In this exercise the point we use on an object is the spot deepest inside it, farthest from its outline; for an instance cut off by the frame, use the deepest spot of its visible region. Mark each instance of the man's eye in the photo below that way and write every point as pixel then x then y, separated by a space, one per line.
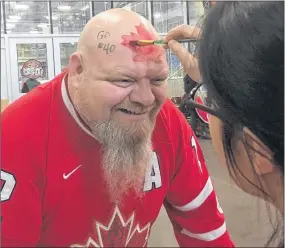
pixel 126 81
pixel 158 81
pixel 123 82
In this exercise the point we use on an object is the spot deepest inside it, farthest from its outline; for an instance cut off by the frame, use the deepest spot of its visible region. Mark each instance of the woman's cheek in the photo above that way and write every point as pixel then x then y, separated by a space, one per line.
pixel 216 126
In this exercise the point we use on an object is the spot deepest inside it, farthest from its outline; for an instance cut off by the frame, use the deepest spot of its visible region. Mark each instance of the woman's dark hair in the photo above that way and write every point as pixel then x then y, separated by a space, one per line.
pixel 242 65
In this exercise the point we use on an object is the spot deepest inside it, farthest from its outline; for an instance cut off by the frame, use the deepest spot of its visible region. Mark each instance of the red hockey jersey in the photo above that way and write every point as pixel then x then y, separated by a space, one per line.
pixel 52 191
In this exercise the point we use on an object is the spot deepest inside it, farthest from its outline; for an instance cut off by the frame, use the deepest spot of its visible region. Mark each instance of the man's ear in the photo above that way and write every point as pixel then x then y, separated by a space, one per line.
pixel 262 155
pixel 75 64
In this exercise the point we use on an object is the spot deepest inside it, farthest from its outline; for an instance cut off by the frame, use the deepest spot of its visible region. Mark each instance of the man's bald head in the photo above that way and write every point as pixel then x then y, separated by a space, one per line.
pixel 109 33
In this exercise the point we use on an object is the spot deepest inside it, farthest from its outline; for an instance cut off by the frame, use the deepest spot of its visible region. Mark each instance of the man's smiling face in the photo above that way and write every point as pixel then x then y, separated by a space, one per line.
pixel 118 87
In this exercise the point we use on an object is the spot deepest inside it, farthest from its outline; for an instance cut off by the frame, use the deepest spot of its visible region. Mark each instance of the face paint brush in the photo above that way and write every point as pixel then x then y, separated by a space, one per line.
pixel 157 42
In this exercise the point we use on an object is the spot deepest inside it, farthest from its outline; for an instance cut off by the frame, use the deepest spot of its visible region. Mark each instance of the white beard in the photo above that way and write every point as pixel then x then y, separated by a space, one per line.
pixel 126 155
pixel 127 149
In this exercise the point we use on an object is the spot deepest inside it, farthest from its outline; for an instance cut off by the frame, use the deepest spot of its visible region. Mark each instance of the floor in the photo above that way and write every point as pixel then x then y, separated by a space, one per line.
pixel 246 216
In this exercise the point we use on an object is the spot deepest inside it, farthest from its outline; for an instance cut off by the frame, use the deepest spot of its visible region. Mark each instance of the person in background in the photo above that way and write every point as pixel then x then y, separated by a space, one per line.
pixel 241 61
pixel 89 158
pixel 30 84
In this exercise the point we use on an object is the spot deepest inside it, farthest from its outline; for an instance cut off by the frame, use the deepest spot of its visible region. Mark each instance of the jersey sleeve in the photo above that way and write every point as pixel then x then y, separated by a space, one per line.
pixel 191 202
pixel 22 181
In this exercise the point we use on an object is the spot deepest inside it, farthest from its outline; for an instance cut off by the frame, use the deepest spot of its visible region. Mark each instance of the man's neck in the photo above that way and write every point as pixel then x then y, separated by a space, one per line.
pixel 70 93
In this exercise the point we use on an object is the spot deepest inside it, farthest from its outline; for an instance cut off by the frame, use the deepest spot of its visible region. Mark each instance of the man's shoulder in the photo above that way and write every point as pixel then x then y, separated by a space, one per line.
pixel 168 106
pixel 169 124
pixel 170 115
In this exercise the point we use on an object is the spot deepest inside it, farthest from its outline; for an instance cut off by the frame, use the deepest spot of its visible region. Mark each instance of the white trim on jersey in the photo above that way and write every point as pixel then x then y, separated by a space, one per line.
pixel 199 200
pixel 70 107
pixel 208 236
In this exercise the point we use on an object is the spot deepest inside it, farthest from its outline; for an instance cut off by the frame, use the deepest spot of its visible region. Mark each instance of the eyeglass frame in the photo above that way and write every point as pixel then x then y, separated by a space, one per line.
pixel 192 104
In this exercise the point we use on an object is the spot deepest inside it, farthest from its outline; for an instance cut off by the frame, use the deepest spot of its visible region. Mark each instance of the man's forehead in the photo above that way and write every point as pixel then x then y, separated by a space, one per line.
pixel 134 70
pixel 143 69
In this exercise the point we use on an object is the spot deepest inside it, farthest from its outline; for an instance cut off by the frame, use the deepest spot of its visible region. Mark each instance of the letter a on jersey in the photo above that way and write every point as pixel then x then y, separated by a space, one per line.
pixel 153 176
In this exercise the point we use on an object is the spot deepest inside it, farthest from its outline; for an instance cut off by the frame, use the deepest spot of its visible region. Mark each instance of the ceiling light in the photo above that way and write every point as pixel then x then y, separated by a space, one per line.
pixel 15 17
pixel 53 17
pixel 64 7
pixel 156 15
pixel 42 25
pixel 12 20
pixel 10 25
pixel 34 32
pixel 127 7
pixel 21 6
pixel 85 7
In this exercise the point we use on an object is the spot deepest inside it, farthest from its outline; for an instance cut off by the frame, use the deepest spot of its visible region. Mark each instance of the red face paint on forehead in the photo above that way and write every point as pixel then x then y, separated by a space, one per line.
pixel 143 53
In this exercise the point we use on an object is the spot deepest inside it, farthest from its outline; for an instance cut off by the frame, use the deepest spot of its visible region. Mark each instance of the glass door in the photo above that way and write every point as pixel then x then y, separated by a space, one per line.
pixel 4 77
pixel 31 63
pixel 63 48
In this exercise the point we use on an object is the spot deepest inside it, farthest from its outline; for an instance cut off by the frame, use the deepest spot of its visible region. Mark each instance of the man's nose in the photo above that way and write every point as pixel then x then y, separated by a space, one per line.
pixel 142 94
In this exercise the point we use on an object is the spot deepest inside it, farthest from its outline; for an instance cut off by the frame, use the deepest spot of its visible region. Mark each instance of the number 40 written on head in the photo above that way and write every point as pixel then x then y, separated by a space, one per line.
pixel 107 48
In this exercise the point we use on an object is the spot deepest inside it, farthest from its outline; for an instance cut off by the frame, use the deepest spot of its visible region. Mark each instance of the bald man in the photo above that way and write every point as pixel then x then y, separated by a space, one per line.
pixel 104 150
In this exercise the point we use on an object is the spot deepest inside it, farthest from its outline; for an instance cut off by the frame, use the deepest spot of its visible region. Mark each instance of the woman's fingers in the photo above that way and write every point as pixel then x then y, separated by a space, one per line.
pixel 188 61
pixel 183 32
pixel 179 51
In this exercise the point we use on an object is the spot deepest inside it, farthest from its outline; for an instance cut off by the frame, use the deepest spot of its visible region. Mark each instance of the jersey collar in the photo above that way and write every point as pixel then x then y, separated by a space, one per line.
pixel 70 108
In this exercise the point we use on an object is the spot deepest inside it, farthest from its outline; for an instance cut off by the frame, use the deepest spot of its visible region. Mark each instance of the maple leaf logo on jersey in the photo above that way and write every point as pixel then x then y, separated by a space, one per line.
pixel 118 233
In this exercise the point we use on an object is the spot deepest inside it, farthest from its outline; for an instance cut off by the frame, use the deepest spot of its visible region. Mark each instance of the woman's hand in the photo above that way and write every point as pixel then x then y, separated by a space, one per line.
pixel 188 61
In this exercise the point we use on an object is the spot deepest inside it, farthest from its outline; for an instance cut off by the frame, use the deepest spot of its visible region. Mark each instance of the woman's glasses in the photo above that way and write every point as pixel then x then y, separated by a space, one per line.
pixel 198 99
